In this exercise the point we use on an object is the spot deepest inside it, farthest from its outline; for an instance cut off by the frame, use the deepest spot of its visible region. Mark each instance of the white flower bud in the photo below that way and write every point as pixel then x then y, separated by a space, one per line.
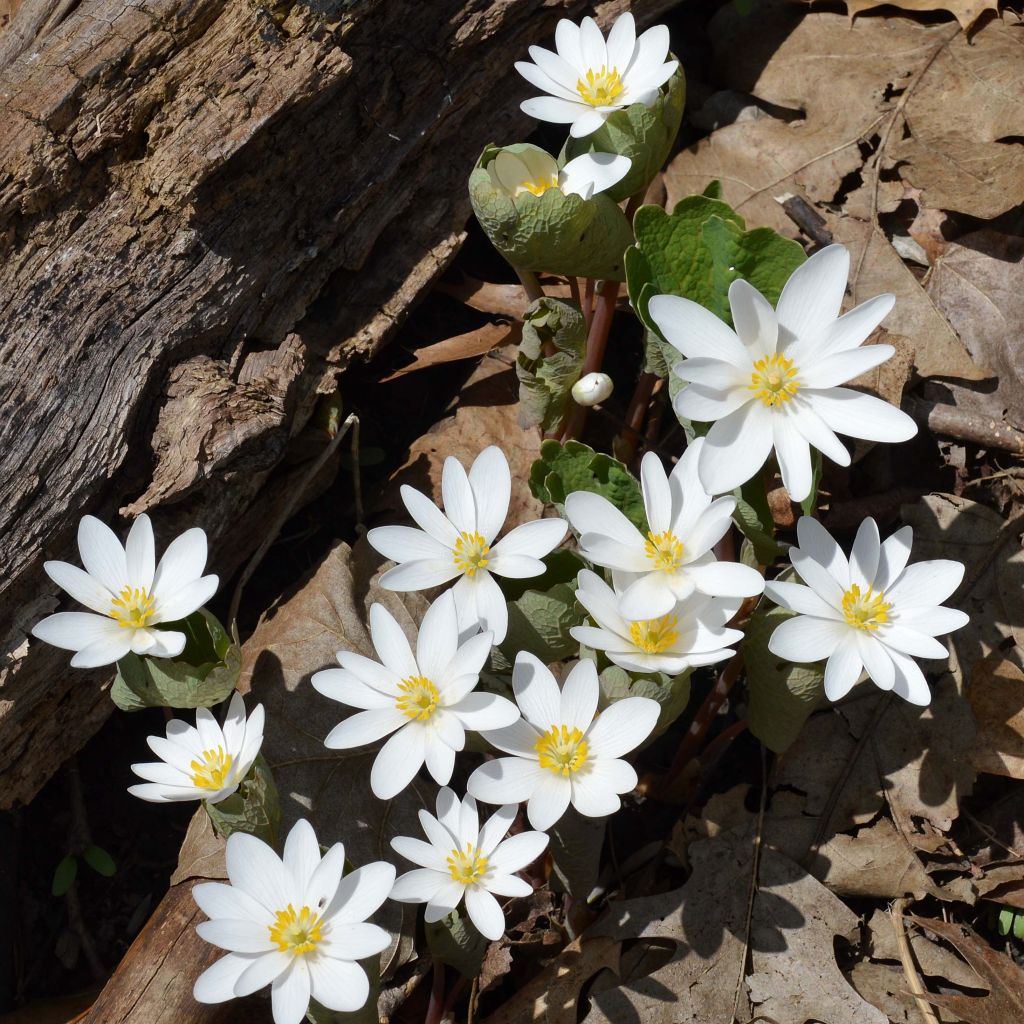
pixel 591 389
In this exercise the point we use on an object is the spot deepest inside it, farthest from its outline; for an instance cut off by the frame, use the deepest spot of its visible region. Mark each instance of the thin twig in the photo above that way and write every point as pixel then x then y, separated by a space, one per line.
pixel 286 512
pixel 907 959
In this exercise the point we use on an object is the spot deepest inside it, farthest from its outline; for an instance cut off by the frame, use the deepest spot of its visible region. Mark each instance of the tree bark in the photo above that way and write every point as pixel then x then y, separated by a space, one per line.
pixel 208 210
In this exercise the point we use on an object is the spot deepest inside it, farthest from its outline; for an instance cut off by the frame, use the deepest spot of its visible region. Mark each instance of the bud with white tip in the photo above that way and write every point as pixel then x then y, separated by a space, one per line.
pixel 592 388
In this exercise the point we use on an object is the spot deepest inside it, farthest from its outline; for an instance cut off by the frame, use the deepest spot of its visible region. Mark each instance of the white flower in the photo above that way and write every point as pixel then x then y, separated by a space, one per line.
pixel 590 78
pixel 773 381
pixel 675 558
pixel 872 612
pixel 464 861
pixel 204 763
pixel 129 594
pixel 426 700
pixel 460 541
pixel 295 924
pixel 694 633
pixel 562 754
pixel 592 389
pixel 535 171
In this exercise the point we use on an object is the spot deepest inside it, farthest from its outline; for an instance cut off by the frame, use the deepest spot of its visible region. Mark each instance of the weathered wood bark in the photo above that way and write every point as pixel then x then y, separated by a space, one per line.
pixel 180 181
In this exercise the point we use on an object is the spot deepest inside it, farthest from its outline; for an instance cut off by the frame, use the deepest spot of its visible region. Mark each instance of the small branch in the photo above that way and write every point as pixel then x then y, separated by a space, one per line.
pixel 909 967
pixel 528 279
pixel 962 425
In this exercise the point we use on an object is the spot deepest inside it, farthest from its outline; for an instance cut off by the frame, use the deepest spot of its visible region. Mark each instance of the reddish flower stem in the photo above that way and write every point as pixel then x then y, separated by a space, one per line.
pixel 597 342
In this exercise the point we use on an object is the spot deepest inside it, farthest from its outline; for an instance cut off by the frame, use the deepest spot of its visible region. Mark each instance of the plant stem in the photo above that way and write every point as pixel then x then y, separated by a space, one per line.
pixel 574 291
pixel 635 415
pixel 588 302
pixel 528 279
pixel 435 1008
pixel 597 342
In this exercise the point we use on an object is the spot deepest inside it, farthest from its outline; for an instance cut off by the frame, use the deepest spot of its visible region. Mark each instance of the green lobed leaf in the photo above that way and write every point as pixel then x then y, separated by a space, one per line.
pixel 782 695
pixel 254 807
pixel 203 675
pixel 671 692
pixel 754 518
pixel 575 847
pixel 550 361
pixel 100 861
pixel 644 134
pixel 552 232
pixel 454 941
pixel 64 876
pixel 574 466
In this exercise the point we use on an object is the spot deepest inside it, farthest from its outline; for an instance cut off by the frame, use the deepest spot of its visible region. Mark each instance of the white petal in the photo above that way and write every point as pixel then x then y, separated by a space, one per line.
pixel 290 993
pixel 182 563
pixel 648 597
pixel 407 544
pixel 519 738
pixel 591 513
pixel 419 886
pixel 910 683
pixel 365 727
pixel 418 575
pixel 104 651
pixel 187 599
pixel 515 567
pixel 478 711
pixel 876 660
pixel 429 517
pixel 578 703
pixel 439 758
pixel 485 913
pixel 555 109
pixel 715 375
pixel 217 983
pixel 843 668
pixel 805 638
pixel 706 404
pixel 817 543
pixel 445 900
pixel 910 641
pixel 535 539
pixel 925 584
pixel 548 801
pixel 754 319
pixel 893 558
pixel 102 554
pixel 798 598
pixel 621 42
pixel 495 828
pixel 592 46
pixel 356 941
pixel 516 852
pixel 438 637
pixel 536 691
pixel 459 502
pixel 567 43
pixel 852 328
pixel 657 496
pixel 346 688
pixel 864 416
pixel 459 676
pixel 591 173
pixel 491 480
pixel 735 448
pixel 73 631
pixel 506 780
pixel 423 854
pixel 338 984
pixel 608 552
pixel 479 600
pixel 391 643
pixel 815 431
pixel 934 621
pixel 726 579
pixel 140 554
pixel 817 577
pixel 545 75
pixel 794 457
pixel 864 555
pixel 840 367
pixel 80 585
pixel 398 761
pixel 262 970
pixel 508 885
pixel 361 892
pixel 813 295
pixel 596 793
pixel 622 727
pixel 651 48
pixel 236 935
pixel 254 868
pixel 696 331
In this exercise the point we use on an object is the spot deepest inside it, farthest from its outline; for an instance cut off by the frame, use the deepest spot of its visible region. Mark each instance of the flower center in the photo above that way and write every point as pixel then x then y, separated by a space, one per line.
pixel 653 636
pixel 133 608
pixel 212 771
pixel 537 187
pixel 470 553
pixel 773 380
pixel 467 867
pixel 562 750
pixel 419 698
pixel 296 933
pixel 865 610
pixel 601 88
pixel 665 550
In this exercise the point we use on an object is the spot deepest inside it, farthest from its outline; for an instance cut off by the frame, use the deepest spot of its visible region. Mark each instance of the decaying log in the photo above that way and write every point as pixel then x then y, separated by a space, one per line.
pixel 180 182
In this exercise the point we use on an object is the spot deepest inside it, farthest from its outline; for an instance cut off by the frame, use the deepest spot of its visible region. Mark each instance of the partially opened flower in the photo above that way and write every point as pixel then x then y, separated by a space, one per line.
pixel 534 171
pixel 459 542
pixel 870 612
pixel 130 596
pixel 693 633
pixel 425 702
pixel 202 763
pixel 589 78
pixel 562 751
pixel 294 924
pixel 773 381
pixel 462 861
pixel 674 558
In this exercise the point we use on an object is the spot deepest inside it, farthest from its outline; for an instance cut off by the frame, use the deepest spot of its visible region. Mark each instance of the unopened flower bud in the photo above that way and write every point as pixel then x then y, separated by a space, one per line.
pixel 591 389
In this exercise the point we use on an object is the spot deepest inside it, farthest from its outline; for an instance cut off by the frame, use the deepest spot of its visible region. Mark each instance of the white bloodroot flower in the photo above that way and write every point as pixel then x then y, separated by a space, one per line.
pixel 460 541
pixel 674 559
pixel 872 612
pixel 773 382
pixel 425 702
pixel 294 924
pixel 590 78
pixel 592 389
pixel 128 593
pixel 694 633
pixel 463 861
pixel 535 171
pixel 202 763
pixel 562 753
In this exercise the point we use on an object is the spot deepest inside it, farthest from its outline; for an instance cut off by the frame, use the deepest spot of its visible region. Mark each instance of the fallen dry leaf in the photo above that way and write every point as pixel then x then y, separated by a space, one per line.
pixel 966 12
pixel 462 346
pixel 1004 1003
pixel 501 299
pixel 996 694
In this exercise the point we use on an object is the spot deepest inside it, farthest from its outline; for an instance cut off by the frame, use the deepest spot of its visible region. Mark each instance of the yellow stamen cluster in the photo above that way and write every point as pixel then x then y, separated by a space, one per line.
pixel 469 867
pixel 601 88
pixel 774 380
pixel 865 610
pixel 470 553
pixel 419 698
pixel 653 636
pixel 296 933
pixel 665 550
pixel 538 187
pixel 562 750
pixel 212 772
pixel 133 608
